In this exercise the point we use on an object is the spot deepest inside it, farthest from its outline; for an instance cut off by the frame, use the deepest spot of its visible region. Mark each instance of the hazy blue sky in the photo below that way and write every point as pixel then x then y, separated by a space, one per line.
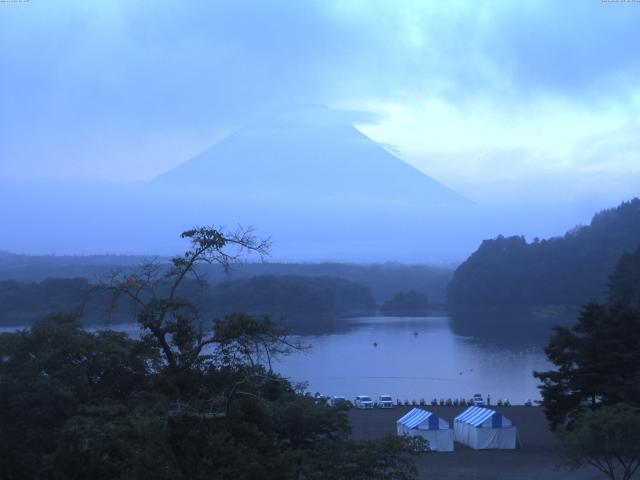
pixel 499 100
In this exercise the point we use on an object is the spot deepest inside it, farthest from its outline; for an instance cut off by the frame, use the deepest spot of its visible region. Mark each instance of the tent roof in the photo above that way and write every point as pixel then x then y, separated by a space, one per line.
pixel 414 418
pixel 475 416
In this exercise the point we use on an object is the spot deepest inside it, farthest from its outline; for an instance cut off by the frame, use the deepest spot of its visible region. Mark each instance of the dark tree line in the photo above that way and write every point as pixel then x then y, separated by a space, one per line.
pixel 568 270
pixel 624 284
pixel 406 303
pixel 22 303
pixel 384 279
pixel 302 303
pixel 292 296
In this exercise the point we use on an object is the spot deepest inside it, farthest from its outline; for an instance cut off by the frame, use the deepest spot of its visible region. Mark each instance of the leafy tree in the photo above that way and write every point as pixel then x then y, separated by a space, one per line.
pixel 171 323
pixel 243 339
pixel 50 373
pixel 607 438
pixel 597 361
pixel 178 403
pixel 591 399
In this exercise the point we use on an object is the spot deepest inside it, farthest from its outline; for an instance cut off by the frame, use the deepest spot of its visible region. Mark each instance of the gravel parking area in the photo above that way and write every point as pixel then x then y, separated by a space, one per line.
pixel 536 459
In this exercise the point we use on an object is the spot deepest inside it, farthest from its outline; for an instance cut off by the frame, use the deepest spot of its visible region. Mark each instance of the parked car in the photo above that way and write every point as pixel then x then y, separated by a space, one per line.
pixel 338 401
pixel 477 400
pixel 385 401
pixel 363 401
pixel 319 399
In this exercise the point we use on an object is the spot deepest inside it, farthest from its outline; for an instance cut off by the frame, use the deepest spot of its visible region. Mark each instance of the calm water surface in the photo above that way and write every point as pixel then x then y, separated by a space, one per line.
pixel 416 358
pixel 412 358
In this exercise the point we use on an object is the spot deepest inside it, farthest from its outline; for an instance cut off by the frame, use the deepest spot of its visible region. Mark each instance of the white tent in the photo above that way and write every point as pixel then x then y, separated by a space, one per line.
pixel 420 423
pixel 482 428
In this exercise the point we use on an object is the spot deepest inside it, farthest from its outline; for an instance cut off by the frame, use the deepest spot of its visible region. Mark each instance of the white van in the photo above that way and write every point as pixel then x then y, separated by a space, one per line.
pixel 363 401
pixel 385 401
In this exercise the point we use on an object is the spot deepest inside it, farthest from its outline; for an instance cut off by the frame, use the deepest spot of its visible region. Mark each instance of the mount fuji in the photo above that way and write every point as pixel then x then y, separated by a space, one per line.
pixel 311 153
pixel 307 178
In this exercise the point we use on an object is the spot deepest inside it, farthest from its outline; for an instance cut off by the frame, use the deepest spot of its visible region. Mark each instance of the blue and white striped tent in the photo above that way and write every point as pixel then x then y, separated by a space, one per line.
pixel 483 428
pixel 429 426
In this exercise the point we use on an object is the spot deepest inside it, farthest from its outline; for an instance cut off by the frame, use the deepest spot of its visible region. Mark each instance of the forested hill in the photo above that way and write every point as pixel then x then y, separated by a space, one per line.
pixel 567 270
pixel 624 284
pixel 301 303
pixel 383 279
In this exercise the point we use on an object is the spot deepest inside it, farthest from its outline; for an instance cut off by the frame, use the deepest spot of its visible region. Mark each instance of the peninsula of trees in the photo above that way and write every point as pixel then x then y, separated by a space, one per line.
pixel 568 270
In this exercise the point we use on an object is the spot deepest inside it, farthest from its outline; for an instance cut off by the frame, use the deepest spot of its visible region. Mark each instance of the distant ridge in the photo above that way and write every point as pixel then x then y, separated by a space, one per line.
pixel 307 152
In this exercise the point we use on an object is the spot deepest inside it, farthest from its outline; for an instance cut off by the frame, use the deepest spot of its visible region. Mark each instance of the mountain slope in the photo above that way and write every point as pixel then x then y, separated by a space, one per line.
pixel 302 153
pixel 311 182
pixel 568 270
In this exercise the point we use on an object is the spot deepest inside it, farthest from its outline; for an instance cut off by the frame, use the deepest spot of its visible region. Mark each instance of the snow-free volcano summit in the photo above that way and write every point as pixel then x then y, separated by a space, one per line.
pixel 308 179
pixel 312 152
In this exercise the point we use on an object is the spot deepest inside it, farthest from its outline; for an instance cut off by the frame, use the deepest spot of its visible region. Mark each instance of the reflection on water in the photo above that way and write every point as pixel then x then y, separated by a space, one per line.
pixel 414 358
pixel 510 326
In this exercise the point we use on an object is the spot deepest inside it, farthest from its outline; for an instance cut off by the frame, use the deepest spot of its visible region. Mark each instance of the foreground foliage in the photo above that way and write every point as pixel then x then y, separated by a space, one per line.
pixel 597 362
pixel 607 438
pixel 592 398
pixel 177 403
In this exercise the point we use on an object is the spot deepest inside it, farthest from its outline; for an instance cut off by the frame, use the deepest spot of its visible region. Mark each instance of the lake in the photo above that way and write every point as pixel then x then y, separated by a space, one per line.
pixel 420 357
pixel 414 358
